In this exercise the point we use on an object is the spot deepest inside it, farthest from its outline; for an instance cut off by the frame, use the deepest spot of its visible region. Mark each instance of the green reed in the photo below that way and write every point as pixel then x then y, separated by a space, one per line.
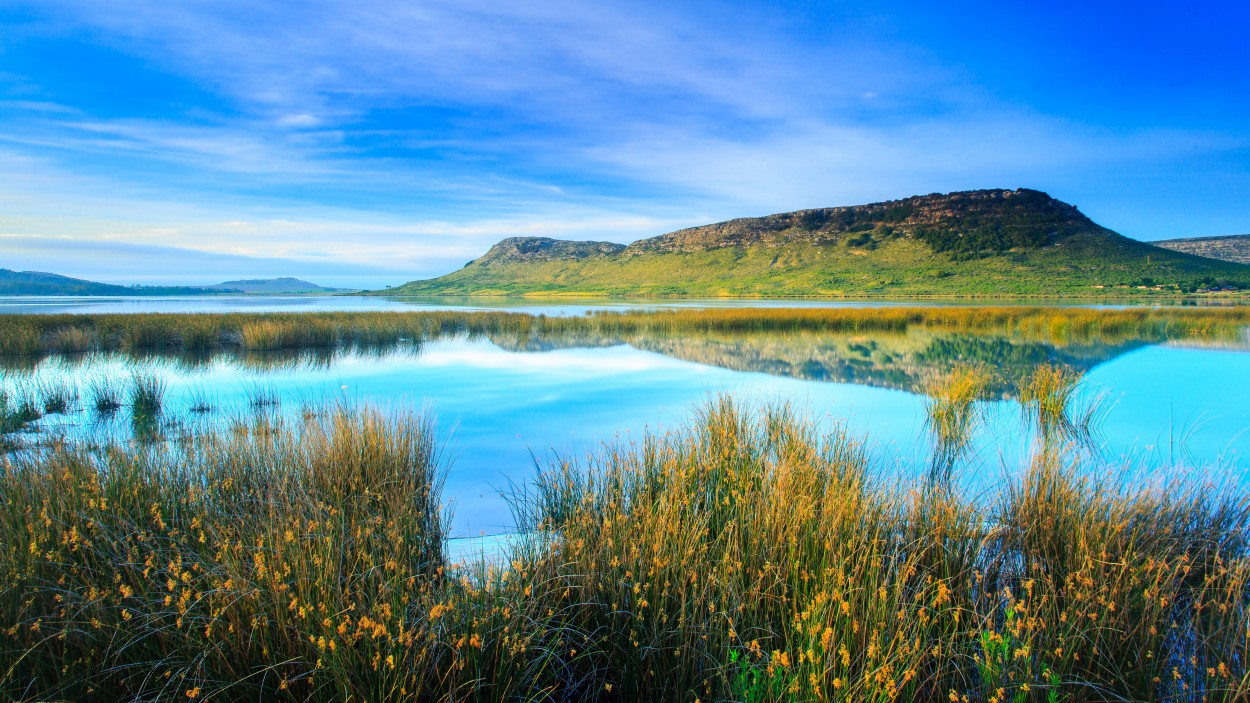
pixel 147 394
pixel 59 395
pixel 105 394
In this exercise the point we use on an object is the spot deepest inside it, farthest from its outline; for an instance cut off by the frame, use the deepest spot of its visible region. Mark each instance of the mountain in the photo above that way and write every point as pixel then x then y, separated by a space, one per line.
pixel 39 283
pixel 984 242
pixel 1233 247
pixel 271 285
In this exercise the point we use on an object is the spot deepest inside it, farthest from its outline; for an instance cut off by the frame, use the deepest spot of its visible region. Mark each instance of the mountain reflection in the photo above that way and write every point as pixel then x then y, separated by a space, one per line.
pixel 906 360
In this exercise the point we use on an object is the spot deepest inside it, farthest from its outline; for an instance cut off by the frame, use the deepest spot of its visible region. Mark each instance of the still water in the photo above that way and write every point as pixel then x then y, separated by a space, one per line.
pixel 502 404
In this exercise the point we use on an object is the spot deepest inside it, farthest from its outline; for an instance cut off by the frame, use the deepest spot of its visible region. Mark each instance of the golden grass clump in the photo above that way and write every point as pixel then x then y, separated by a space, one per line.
pixel 951 414
pixel 750 557
pixel 262 558
pixel 1052 401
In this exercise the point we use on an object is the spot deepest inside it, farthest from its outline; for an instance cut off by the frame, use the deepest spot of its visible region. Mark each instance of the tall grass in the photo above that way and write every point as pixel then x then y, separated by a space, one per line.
pixel 749 555
pixel 38 334
pixel 264 559
pixel 59 395
pixel 17 409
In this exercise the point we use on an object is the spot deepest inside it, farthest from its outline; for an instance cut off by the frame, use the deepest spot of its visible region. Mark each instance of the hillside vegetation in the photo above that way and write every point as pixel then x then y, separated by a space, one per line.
pixel 40 283
pixel 988 242
pixel 270 285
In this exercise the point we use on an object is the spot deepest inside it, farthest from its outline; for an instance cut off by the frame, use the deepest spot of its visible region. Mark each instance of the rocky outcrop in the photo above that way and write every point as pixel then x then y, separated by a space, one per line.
pixel 977 220
pixel 1234 247
pixel 517 249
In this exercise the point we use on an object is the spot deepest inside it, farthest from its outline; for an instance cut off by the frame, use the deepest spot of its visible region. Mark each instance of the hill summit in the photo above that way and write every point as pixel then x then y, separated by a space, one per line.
pixel 994 242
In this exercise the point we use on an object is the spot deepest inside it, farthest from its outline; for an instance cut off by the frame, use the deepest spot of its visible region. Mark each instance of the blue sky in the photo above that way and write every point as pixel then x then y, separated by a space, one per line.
pixel 370 143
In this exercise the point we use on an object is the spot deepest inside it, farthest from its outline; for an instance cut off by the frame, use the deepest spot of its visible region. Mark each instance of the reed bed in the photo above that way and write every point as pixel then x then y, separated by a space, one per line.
pixel 747 556
pixel 25 335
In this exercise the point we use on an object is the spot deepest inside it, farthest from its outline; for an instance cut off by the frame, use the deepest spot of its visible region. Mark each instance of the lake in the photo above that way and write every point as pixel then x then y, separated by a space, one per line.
pixel 19 304
pixel 503 403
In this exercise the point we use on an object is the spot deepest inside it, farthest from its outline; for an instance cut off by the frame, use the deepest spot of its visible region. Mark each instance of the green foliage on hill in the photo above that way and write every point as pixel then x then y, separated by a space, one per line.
pixel 975 243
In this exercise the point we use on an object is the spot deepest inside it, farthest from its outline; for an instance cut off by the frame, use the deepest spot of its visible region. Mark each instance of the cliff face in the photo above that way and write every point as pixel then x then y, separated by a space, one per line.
pixel 517 249
pixel 1235 247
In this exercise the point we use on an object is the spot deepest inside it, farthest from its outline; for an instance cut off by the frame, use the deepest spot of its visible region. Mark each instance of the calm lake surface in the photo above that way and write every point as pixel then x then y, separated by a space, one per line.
pixel 503 403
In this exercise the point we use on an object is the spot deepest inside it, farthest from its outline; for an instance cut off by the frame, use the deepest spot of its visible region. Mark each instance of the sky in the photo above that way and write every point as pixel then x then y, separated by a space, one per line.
pixel 366 144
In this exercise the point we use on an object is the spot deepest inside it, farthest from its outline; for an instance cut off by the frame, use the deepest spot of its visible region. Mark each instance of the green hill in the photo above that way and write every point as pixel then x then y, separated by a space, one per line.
pixel 39 283
pixel 271 285
pixel 985 242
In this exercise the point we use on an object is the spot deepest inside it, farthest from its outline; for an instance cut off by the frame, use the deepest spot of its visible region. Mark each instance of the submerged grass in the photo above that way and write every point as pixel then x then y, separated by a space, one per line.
pixel 748 556
pixel 105 394
pixel 1050 399
pixel 59 395
pixel 147 394
pixel 951 414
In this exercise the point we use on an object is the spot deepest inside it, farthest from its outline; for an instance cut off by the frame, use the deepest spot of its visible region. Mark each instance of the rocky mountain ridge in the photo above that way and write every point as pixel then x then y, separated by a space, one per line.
pixel 1233 247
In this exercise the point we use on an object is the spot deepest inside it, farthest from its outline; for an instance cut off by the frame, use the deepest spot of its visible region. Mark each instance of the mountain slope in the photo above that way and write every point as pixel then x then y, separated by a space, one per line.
pixel 1003 242
pixel 1234 247
pixel 39 283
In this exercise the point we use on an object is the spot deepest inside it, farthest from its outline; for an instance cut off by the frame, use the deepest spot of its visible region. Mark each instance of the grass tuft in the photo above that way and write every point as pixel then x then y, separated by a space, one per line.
pixel 1053 402
pixel 147 394
pixel 105 395
pixel 952 415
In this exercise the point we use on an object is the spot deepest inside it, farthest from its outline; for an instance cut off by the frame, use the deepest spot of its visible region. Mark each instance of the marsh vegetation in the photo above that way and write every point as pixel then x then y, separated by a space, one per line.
pixel 748 555
pixel 299 550
pixel 33 335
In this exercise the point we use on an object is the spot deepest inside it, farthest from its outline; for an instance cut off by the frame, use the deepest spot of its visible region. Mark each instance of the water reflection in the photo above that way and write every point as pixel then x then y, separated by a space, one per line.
pixel 908 361
pixel 502 398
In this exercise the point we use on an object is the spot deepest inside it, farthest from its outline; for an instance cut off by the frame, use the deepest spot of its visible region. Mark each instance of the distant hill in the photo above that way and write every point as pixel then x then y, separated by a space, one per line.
pixel 1233 247
pixel 39 283
pixel 272 285
pixel 984 242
